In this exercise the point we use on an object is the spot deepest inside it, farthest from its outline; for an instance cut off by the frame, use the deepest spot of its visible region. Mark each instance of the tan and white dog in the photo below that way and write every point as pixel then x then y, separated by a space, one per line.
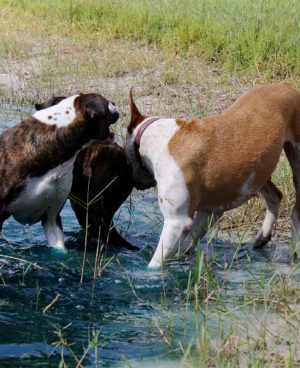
pixel 207 166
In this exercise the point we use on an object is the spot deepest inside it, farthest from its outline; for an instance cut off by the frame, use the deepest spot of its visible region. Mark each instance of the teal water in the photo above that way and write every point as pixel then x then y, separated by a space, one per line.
pixel 126 307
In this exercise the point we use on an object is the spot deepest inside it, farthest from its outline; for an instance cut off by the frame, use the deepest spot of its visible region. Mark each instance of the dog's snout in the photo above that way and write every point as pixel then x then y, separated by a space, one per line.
pixel 114 111
pixel 113 108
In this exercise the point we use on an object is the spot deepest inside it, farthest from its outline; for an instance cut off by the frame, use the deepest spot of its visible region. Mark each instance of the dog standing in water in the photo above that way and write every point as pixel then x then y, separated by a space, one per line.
pixel 37 158
pixel 207 166
pixel 101 170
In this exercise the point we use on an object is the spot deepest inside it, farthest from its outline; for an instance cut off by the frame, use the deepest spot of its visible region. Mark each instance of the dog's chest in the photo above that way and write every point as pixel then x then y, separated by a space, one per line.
pixel 42 194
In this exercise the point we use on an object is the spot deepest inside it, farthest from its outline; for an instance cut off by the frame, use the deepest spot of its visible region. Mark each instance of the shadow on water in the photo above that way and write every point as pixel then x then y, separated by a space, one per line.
pixel 121 314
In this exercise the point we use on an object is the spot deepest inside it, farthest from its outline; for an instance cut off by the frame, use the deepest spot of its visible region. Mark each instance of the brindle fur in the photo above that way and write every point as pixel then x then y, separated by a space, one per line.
pixel 99 168
pixel 32 148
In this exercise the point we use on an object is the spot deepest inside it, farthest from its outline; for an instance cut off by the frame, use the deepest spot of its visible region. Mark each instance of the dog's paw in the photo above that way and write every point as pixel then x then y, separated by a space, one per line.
pixel 260 241
pixel 59 250
pixel 154 264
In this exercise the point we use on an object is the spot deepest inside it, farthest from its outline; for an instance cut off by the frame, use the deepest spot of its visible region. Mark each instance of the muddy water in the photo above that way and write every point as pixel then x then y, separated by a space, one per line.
pixel 126 309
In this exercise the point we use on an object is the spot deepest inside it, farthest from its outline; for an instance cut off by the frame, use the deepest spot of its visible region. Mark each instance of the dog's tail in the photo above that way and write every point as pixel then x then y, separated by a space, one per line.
pixel 136 116
pixel 133 108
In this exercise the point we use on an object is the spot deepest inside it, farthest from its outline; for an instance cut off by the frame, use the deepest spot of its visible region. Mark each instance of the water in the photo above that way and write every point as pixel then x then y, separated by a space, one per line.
pixel 126 309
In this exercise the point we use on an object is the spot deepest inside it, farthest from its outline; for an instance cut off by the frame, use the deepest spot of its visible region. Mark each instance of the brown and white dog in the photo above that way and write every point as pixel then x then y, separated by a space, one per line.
pixel 37 158
pixel 100 171
pixel 207 166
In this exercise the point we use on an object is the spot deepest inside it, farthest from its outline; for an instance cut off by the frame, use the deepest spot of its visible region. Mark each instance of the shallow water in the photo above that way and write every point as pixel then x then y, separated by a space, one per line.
pixel 125 307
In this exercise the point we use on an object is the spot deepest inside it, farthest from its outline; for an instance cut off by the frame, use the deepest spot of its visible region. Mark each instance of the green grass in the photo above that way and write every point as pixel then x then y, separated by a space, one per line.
pixel 254 36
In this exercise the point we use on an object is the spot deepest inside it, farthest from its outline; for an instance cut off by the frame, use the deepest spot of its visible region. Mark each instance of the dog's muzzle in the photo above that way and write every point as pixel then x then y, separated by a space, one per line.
pixel 115 114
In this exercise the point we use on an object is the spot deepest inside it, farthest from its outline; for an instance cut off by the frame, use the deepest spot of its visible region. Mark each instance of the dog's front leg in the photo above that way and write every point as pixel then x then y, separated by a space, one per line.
pixel 180 235
pixel 174 202
pixel 173 233
pixel 53 231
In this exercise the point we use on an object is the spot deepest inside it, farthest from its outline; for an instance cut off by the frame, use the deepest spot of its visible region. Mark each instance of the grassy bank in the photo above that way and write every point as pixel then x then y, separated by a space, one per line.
pixel 254 36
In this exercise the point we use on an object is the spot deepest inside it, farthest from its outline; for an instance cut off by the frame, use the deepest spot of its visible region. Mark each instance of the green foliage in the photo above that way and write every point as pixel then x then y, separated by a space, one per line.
pixel 261 36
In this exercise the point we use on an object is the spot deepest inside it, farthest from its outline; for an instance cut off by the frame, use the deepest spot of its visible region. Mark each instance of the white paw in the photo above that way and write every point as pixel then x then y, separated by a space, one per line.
pixel 154 263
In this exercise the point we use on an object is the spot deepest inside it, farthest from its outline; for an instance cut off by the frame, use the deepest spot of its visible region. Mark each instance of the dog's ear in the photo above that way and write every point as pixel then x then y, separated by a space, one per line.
pixel 89 111
pixel 94 108
pixel 38 106
pixel 136 117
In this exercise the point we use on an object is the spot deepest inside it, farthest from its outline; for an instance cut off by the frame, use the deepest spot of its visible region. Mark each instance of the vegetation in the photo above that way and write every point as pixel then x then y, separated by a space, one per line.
pixel 261 36
pixel 184 58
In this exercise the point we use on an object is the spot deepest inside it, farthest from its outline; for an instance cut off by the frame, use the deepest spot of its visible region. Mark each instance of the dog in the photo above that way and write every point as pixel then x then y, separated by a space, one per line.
pixel 100 171
pixel 204 167
pixel 103 172
pixel 37 158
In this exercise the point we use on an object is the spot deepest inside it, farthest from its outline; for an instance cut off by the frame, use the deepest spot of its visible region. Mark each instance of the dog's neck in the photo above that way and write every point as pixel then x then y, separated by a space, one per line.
pixel 143 178
pixel 139 132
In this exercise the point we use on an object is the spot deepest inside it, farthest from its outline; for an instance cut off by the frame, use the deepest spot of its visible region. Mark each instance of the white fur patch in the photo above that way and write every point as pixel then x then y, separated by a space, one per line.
pixel 112 108
pixel 268 223
pixel 173 194
pixel 43 194
pixel 60 115
pixel 158 160
pixel 153 144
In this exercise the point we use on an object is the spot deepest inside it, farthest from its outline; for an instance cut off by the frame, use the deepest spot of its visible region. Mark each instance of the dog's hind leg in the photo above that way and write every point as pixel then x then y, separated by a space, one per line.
pixel 292 151
pixel 272 196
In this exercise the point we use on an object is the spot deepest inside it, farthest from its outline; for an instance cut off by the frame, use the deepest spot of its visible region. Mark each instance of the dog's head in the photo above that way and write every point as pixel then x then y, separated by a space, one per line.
pixel 92 109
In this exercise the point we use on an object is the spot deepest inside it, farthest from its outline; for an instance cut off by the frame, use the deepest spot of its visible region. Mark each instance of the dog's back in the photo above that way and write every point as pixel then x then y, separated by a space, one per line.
pixel 227 157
